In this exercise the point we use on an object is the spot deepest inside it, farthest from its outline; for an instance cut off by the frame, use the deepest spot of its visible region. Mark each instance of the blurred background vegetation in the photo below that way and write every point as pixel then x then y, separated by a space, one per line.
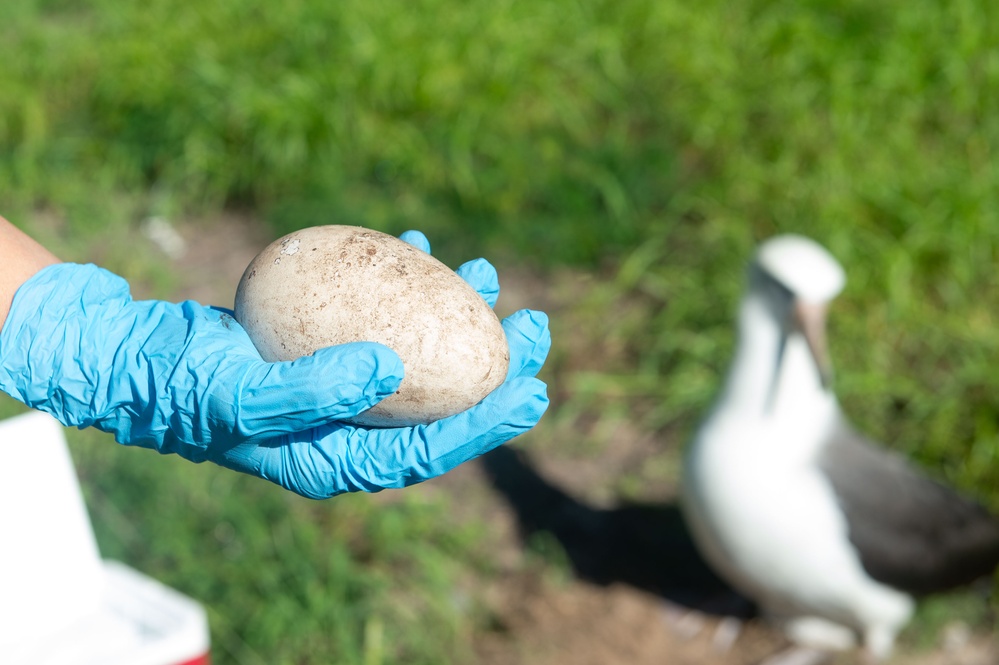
pixel 642 146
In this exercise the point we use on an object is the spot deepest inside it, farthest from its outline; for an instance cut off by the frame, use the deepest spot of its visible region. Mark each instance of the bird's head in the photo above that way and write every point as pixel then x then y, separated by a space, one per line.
pixel 797 278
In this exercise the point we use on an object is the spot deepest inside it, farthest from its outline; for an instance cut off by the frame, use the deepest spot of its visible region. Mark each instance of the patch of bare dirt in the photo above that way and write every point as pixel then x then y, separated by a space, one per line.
pixel 545 622
pixel 213 256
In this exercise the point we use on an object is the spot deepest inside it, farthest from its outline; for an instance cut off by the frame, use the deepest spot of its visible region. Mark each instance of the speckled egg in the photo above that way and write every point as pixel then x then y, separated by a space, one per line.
pixel 328 285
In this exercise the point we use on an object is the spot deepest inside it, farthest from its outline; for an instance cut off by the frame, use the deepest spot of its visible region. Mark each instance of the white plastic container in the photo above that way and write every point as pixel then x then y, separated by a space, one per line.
pixel 60 604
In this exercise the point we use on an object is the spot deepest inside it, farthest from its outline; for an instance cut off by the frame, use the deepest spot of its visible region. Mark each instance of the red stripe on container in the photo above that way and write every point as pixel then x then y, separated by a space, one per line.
pixel 200 660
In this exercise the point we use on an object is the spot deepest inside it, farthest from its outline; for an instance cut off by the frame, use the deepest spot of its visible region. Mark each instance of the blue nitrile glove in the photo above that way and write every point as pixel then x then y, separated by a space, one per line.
pixel 185 378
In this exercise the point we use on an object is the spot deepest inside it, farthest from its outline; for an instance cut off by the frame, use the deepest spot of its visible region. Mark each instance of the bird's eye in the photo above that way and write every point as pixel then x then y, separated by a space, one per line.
pixel 777 289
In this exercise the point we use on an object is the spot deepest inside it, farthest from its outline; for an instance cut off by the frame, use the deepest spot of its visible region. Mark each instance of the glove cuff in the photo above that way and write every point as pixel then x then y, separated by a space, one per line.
pixel 47 328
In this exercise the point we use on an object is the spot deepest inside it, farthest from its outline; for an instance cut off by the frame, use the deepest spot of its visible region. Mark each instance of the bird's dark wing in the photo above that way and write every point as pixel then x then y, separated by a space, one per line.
pixel 911 532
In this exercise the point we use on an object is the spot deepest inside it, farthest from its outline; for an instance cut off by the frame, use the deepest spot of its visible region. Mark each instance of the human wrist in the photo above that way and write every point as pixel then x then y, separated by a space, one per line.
pixel 20 259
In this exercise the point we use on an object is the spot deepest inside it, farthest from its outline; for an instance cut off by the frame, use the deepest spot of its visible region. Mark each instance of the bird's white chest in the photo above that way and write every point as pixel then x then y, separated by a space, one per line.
pixel 765 516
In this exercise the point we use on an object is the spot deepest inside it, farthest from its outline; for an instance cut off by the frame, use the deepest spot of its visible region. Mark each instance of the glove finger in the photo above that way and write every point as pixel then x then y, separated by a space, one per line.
pixel 510 410
pixel 482 277
pixel 393 458
pixel 530 341
pixel 417 240
pixel 334 383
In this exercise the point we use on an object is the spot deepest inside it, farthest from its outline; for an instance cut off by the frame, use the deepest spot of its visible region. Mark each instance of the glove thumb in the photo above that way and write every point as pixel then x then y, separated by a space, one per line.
pixel 334 383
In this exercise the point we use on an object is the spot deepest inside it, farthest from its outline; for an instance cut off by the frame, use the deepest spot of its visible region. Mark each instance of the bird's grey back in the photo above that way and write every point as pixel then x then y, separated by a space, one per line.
pixel 912 533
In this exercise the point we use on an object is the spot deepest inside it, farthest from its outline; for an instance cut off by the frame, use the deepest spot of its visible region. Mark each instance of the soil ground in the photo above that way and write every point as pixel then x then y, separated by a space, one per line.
pixel 633 590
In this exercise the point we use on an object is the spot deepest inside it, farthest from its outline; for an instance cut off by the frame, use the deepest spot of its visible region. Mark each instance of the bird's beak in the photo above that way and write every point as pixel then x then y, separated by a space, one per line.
pixel 810 319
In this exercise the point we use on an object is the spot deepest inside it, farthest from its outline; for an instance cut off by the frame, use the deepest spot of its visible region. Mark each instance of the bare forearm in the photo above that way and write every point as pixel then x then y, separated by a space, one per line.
pixel 20 258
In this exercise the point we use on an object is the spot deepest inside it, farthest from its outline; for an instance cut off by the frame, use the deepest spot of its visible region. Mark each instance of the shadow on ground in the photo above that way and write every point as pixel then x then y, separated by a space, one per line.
pixel 646 546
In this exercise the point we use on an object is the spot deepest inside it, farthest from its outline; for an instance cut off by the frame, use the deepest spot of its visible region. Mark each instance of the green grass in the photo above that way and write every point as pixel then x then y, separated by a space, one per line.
pixel 649 145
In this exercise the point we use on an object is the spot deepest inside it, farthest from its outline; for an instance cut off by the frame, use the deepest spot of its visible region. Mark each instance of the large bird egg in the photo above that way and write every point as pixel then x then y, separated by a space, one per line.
pixel 328 285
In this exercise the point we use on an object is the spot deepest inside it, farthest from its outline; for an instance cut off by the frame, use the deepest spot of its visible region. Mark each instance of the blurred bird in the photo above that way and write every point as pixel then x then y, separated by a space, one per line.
pixel 832 536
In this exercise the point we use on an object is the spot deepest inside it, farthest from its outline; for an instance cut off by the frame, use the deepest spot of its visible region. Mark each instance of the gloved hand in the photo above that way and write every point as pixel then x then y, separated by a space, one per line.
pixel 184 378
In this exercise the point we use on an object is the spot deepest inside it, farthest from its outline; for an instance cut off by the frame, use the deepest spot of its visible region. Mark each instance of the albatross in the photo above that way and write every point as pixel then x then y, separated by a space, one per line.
pixel 831 535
